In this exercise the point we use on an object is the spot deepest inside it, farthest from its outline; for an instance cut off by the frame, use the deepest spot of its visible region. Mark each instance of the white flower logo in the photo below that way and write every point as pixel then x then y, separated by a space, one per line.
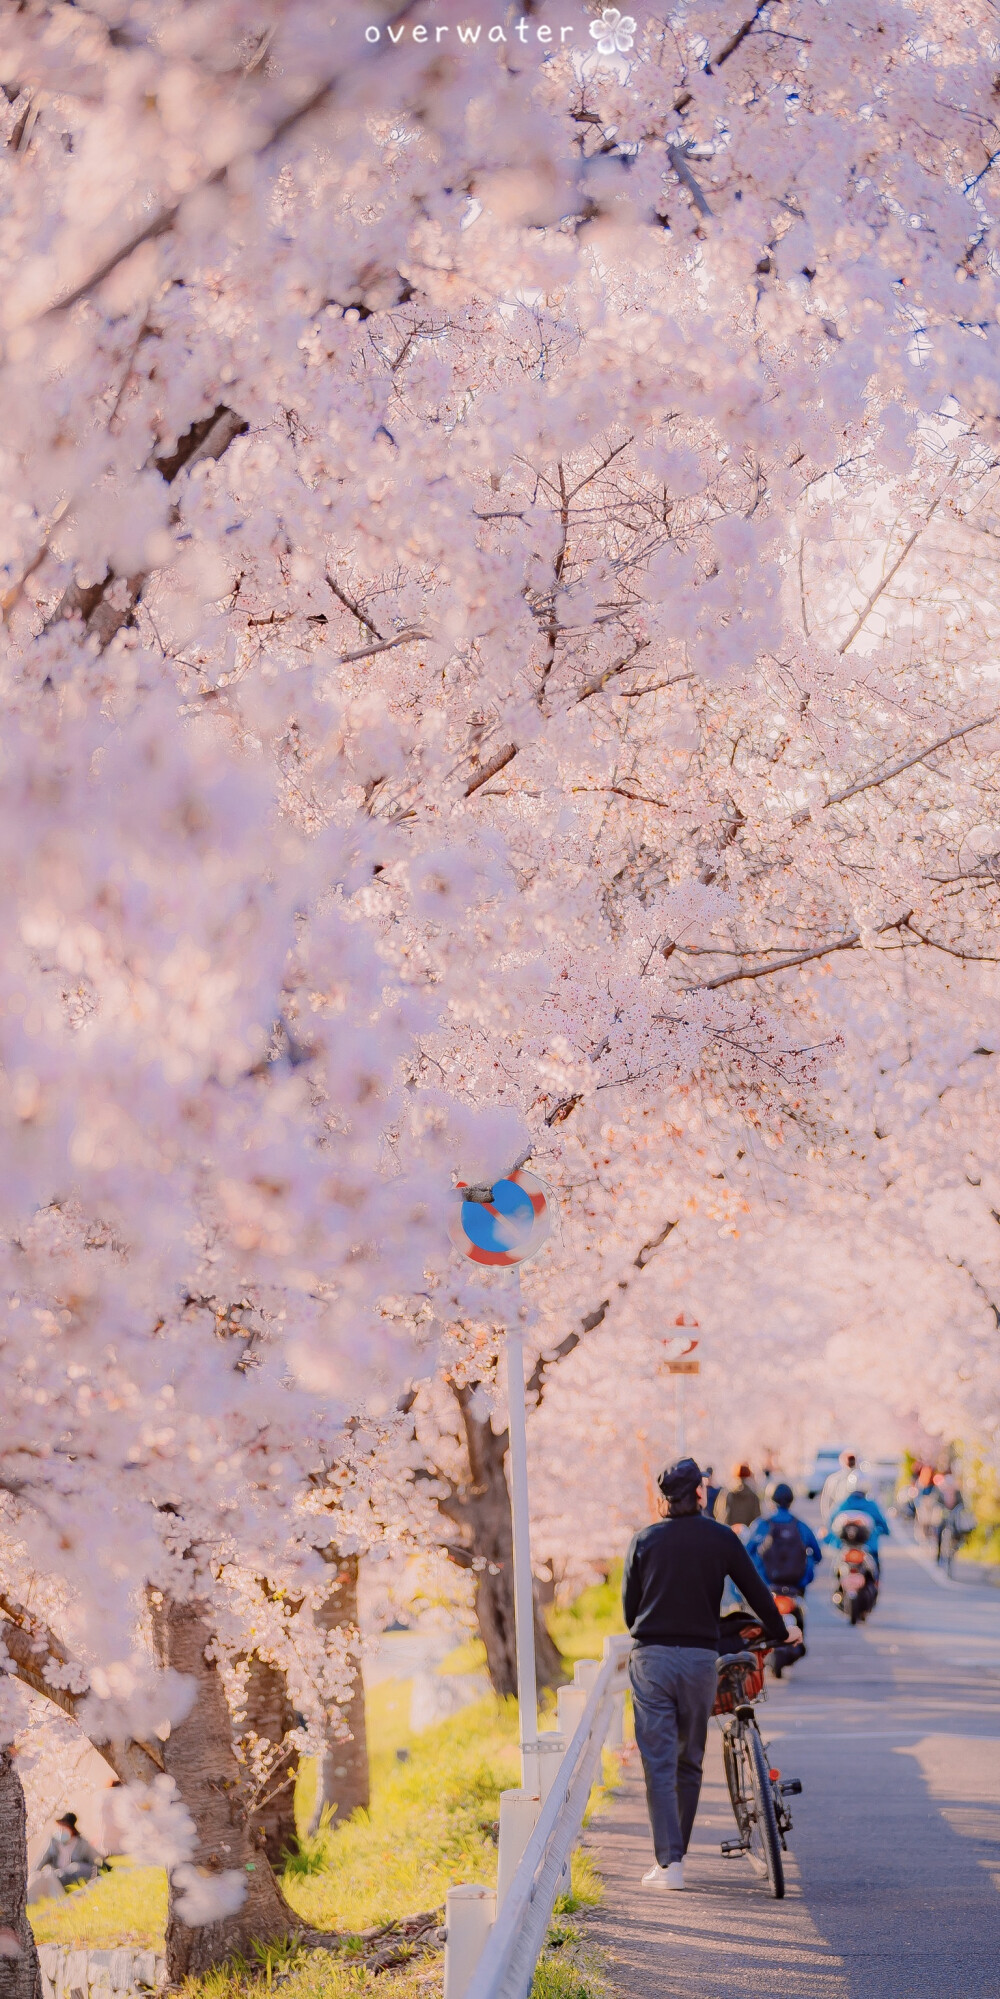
pixel 614 32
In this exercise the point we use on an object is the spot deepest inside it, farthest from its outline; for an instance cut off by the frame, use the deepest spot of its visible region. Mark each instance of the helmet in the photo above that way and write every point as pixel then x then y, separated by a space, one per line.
pixel 780 1494
pixel 855 1531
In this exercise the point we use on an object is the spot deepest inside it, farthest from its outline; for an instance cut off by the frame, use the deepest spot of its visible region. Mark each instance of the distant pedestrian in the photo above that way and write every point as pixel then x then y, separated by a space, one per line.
pixel 740 1506
pixel 839 1484
pixel 712 1491
pixel 675 1571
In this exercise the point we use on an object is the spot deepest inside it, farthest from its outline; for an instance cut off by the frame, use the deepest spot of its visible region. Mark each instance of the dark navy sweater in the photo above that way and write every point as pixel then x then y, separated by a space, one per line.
pixel 674 1576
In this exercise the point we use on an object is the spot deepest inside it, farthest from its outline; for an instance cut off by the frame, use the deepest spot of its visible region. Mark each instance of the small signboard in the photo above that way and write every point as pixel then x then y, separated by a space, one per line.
pixel 683 1367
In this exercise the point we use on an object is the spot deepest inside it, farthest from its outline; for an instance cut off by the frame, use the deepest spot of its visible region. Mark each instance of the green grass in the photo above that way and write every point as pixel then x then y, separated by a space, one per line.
pixel 581 1627
pixel 566 1970
pixel 129 1905
pixel 433 1822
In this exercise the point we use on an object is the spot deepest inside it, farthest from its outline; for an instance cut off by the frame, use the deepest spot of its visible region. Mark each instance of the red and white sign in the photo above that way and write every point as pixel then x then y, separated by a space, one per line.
pixel 508 1228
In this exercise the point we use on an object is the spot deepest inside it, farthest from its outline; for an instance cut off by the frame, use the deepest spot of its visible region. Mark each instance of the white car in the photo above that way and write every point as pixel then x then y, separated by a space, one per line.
pixel 826 1460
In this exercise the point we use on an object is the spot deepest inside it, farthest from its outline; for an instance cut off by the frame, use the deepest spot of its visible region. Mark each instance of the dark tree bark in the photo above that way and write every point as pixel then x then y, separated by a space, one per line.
pixel 482 1511
pixel 32 1650
pixel 20 1977
pixel 271 1715
pixel 343 1782
pixel 199 1755
pixel 106 606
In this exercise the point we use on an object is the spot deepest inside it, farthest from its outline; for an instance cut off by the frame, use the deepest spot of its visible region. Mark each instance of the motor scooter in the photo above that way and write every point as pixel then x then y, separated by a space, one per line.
pixel 855 1567
pixel 791 1601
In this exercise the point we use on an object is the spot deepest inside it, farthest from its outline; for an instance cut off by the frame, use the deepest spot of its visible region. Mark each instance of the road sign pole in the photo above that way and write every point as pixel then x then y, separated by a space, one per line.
pixel 502 1225
pixel 679 1425
pixel 524 1600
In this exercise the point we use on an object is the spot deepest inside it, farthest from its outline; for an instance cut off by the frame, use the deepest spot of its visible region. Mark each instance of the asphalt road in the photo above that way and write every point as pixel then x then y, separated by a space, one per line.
pixel 894 1863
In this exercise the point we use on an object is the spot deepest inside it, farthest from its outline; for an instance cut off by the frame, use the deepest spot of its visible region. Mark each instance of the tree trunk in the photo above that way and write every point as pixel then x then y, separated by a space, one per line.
pixel 270 1715
pixel 20 1977
pixel 484 1513
pixel 199 1755
pixel 343 1783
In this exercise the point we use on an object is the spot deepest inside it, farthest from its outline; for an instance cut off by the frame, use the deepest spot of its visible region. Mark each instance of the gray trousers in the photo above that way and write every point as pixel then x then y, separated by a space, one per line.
pixel 673 1689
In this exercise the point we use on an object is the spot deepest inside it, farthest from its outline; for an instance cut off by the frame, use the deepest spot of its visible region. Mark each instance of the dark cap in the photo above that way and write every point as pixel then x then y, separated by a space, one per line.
pixel 68 1818
pixel 678 1480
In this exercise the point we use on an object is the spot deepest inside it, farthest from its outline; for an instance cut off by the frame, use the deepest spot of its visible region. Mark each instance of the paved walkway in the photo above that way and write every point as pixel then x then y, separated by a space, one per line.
pixel 894 1863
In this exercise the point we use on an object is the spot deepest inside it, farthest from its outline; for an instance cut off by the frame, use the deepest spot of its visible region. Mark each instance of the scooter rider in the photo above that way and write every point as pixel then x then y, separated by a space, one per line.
pixel 672 1587
pixel 783 1549
pixel 861 1504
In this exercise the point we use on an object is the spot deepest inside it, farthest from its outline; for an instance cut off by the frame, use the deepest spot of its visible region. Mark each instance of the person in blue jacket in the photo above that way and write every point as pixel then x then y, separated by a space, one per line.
pixel 858 1501
pixel 783 1548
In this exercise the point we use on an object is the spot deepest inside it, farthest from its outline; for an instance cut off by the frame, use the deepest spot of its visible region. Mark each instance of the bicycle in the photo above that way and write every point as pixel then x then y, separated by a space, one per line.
pixel 954 1533
pixel 757 1792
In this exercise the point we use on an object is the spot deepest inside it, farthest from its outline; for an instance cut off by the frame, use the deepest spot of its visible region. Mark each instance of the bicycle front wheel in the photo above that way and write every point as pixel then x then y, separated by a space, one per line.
pixel 765 1843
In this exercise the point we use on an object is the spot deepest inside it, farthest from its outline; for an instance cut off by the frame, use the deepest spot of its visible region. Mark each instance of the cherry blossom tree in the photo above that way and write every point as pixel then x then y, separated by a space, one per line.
pixel 460 501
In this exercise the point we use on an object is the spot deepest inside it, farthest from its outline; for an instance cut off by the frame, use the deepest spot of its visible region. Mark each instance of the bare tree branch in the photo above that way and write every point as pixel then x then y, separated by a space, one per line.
pixel 33 1649
pixel 863 615
pixel 780 965
pixel 680 166
pixel 384 645
pixel 600 680
pixel 496 763
pixel 535 1385
pixel 895 770
pixel 350 605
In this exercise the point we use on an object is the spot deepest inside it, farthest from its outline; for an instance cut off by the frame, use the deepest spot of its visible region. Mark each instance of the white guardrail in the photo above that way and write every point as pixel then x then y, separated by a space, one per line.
pixel 487 1959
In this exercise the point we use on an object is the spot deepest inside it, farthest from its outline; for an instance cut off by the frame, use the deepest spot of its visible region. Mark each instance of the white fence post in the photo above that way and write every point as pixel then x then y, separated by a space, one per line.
pixel 551 1749
pixel 518 1815
pixel 566 1771
pixel 615 1738
pixel 570 1703
pixel 469 1915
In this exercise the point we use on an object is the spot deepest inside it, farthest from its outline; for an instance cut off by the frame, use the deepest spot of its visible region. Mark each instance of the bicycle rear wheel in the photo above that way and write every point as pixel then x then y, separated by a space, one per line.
pixel 765 1841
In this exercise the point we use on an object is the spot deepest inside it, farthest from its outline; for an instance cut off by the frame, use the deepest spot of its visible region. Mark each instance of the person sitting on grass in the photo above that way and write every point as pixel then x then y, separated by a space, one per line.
pixel 71 1857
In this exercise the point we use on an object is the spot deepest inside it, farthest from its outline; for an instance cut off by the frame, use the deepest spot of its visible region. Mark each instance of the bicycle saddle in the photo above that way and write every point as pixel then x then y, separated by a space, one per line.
pixel 735 1659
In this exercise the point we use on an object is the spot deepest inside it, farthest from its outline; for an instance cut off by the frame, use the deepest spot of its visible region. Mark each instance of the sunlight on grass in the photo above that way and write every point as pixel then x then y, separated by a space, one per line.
pixel 129 1905
pixel 580 1628
pixel 432 1822
pixel 316 1975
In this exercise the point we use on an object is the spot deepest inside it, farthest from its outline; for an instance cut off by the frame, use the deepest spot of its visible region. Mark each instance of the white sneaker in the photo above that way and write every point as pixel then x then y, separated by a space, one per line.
pixel 665 1877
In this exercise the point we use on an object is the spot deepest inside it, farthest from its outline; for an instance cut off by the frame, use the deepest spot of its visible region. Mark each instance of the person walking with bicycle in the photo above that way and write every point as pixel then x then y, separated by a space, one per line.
pixel 675 1573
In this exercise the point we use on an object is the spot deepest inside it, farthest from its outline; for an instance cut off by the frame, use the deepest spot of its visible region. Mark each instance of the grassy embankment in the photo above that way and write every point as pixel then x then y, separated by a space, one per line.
pixel 983 1496
pixel 432 1822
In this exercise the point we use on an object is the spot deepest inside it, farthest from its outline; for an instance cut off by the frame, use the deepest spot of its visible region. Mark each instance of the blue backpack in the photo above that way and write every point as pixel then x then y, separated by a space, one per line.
pixel 782 1553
